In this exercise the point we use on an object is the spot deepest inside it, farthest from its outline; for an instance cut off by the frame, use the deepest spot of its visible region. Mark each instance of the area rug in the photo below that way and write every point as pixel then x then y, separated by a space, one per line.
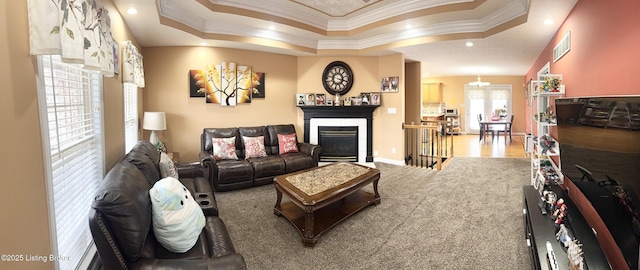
pixel 466 216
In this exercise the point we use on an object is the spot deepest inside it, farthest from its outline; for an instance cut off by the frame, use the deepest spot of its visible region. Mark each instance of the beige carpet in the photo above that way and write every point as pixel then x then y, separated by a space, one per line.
pixel 467 216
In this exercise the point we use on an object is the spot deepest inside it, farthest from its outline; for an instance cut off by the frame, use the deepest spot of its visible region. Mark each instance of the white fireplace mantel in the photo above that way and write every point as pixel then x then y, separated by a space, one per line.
pixel 361 123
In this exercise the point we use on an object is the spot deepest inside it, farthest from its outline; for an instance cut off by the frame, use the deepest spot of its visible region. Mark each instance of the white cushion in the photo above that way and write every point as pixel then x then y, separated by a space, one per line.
pixel 177 217
pixel 167 167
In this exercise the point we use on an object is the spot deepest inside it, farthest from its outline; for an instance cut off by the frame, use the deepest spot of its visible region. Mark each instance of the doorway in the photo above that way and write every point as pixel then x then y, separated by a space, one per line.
pixel 487 101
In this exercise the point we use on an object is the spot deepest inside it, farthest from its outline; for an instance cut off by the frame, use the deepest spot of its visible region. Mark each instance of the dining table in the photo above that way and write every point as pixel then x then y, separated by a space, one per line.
pixel 487 123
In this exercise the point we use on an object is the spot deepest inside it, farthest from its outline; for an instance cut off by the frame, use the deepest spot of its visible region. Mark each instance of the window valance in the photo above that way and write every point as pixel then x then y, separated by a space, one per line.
pixel 132 69
pixel 79 31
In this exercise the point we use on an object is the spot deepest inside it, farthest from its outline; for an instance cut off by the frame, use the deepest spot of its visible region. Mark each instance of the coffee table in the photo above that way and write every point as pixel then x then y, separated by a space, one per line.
pixel 322 197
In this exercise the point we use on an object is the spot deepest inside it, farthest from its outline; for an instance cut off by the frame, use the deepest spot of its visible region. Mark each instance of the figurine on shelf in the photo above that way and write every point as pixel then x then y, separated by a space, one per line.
pixel 548 115
pixel 563 236
pixel 550 84
pixel 549 197
pixel 547 144
pixel 560 212
pixel 575 255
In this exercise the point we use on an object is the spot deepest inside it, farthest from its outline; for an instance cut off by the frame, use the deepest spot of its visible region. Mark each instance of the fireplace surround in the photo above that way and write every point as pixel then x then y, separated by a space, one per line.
pixel 361 116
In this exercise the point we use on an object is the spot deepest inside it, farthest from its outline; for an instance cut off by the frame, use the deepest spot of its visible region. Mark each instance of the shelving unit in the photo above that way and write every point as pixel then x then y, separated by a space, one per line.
pixel 545 155
pixel 453 123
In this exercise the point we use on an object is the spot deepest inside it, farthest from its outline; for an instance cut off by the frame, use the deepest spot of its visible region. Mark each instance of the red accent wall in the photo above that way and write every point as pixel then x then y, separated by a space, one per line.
pixel 604 60
pixel 605 49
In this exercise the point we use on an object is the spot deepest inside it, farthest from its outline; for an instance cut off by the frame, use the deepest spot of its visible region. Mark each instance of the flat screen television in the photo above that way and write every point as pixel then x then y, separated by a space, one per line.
pixel 599 139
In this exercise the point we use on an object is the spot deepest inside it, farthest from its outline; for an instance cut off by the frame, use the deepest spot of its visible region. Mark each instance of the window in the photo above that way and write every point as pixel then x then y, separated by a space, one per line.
pixel 487 101
pixel 70 101
pixel 130 116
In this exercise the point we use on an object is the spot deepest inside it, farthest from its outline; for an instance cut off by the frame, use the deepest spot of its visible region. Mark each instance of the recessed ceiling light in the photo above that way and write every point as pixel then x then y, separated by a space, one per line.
pixel 132 11
pixel 548 21
pixel 469 44
pixel 272 27
pixel 203 43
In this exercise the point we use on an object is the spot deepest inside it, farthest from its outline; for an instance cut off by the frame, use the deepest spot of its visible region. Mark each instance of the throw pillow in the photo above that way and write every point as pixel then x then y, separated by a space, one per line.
pixel 167 167
pixel 254 147
pixel 224 148
pixel 177 217
pixel 288 143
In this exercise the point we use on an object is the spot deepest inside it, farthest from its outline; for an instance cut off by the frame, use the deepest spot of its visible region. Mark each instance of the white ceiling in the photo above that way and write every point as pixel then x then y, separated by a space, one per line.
pixel 508 35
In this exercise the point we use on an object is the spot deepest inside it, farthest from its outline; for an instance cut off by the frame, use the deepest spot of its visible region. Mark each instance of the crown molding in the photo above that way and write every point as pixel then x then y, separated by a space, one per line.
pixel 182 19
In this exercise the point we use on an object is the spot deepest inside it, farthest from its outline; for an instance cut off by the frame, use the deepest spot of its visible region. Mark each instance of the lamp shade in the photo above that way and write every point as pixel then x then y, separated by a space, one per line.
pixel 154 121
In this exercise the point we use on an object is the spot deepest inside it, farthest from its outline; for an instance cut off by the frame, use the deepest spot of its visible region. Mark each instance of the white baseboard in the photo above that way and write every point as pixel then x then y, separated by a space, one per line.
pixel 389 161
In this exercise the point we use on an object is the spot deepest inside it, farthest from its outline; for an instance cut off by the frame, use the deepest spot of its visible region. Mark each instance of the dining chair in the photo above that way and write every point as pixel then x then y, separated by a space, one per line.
pixel 507 129
pixel 484 129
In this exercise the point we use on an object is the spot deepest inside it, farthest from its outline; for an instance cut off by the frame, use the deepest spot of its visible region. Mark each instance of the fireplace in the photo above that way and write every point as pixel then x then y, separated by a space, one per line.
pixel 342 116
pixel 338 143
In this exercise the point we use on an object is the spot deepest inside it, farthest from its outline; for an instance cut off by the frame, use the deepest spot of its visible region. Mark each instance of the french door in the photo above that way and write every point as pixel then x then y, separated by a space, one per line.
pixel 485 101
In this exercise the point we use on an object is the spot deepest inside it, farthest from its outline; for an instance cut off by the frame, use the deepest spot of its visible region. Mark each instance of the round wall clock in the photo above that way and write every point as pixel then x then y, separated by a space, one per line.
pixel 337 78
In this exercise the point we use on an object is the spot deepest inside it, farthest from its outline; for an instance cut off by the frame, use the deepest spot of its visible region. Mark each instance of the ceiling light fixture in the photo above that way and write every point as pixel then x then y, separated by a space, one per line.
pixel 548 21
pixel 132 11
pixel 479 83
pixel 203 43
pixel 469 44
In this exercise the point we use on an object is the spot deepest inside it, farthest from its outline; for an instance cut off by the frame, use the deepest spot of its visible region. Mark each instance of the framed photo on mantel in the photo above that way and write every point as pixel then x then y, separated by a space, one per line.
pixel 311 99
pixel 320 100
pixel 376 98
pixel 300 99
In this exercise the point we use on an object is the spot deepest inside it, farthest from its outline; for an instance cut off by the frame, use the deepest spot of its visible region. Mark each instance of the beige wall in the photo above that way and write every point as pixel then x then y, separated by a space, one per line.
pixel 387 128
pixel 24 228
pixel 453 95
pixel 412 93
pixel 167 90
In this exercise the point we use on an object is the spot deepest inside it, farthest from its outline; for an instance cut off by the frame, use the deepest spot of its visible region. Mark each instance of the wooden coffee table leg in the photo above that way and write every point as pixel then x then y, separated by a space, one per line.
pixel 376 201
pixel 308 238
pixel 276 208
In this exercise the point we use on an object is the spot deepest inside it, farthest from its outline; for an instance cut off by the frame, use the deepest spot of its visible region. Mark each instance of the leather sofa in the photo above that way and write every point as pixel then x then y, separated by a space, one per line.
pixel 241 173
pixel 120 218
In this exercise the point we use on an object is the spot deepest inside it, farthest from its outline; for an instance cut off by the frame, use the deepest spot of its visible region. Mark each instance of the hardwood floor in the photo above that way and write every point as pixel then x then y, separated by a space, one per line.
pixel 470 146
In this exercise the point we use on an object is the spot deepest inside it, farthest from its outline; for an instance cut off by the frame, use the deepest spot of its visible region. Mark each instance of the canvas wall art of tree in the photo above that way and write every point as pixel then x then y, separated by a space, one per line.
pixel 227 84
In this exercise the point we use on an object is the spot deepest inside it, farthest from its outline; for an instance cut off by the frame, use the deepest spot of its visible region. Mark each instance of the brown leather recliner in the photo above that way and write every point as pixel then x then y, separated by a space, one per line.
pixel 121 223
pixel 243 173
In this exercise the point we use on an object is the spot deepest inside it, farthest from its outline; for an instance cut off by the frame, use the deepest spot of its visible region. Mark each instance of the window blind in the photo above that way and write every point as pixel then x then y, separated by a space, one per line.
pixel 70 100
pixel 130 115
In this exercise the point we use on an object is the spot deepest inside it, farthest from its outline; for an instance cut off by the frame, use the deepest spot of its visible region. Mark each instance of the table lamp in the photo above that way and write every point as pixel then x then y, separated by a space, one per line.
pixel 154 121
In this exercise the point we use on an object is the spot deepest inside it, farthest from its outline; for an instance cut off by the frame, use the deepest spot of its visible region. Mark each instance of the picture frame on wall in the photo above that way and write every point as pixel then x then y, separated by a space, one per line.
pixel 320 100
pixel 300 99
pixel 197 83
pixel 311 99
pixel 376 98
pixel 257 85
pixel 389 84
